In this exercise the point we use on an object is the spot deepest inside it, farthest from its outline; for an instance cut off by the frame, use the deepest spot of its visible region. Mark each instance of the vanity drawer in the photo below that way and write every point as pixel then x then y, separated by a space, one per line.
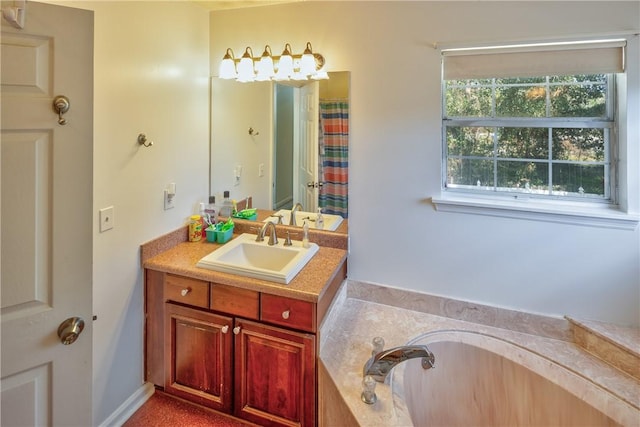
pixel 187 291
pixel 288 312
pixel 235 301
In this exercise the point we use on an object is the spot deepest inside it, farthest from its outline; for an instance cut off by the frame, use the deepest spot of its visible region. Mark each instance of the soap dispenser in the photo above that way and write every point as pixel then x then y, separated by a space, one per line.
pixel 319 220
pixel 305 234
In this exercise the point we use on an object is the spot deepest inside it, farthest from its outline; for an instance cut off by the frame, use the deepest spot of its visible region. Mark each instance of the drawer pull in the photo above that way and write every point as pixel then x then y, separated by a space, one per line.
pixel 285 314
pixel 185 291
pixel 236 330
pixel 225 329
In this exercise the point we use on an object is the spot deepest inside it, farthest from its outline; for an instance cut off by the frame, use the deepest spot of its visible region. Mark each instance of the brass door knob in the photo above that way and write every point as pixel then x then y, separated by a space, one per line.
pixel 70 329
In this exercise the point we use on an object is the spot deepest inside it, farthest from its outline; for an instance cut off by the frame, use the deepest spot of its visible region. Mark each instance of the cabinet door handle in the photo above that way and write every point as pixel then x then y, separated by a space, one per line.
pixel 236 330
pixel 225 329
pixel 285 314
pixel 185 291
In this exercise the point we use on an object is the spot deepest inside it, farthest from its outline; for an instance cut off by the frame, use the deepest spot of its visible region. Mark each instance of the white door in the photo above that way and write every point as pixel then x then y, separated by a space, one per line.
pixel 306 183
pixel 46 216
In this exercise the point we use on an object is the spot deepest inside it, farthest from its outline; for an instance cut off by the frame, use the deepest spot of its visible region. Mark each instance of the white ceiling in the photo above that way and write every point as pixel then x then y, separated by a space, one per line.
pixel 237 4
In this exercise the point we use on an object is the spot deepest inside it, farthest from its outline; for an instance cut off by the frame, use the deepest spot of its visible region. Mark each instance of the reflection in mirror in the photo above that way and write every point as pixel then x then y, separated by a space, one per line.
pixel 282 144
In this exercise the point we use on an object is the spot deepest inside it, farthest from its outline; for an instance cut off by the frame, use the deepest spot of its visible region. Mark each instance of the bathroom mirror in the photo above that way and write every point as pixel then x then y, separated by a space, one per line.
pixel 282 143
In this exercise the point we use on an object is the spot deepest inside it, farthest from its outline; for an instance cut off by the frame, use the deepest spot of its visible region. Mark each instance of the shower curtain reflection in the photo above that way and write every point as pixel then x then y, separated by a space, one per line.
pixel 333 146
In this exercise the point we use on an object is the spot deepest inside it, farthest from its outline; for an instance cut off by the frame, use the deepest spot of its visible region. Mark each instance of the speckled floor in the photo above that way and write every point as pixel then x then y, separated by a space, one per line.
pixel 162 410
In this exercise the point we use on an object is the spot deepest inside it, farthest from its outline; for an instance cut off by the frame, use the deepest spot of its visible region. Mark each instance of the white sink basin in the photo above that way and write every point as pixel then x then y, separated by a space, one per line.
pixel 246 257
pixel 331 222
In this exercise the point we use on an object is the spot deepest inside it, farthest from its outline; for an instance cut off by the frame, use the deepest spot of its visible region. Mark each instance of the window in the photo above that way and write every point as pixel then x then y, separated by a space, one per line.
pixel 548 136
pixel 541 131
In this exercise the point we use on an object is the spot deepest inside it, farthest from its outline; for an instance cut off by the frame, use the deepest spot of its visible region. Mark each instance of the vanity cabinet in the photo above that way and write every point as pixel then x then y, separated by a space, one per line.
pixel 199 352
pixel 238 351
pixel 275 378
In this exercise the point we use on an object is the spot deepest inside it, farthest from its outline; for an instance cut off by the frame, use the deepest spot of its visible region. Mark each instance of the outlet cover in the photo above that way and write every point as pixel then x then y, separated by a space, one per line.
pixel 107 221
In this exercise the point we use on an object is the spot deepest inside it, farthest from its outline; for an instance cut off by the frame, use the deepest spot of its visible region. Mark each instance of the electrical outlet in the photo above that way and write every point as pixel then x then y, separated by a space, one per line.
pixel 106 219
pixel 261 169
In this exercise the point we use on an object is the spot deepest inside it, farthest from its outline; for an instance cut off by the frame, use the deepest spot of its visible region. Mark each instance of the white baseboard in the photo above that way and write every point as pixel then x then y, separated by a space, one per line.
pixel 131 405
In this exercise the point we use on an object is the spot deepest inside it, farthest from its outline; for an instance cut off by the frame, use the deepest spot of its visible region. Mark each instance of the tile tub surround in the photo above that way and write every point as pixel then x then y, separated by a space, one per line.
pixel 360 312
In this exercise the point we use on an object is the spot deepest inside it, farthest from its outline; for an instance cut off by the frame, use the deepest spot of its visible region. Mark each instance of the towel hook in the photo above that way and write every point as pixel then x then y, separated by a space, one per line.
pixel 142 140
pixel 253 132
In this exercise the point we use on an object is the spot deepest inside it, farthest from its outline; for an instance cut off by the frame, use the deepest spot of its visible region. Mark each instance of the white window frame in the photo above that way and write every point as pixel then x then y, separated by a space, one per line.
pixel 624 213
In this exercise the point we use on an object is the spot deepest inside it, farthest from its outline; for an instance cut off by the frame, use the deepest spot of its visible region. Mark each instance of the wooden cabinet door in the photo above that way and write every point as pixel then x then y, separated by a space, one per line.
pixel 275 379
pixel 198 351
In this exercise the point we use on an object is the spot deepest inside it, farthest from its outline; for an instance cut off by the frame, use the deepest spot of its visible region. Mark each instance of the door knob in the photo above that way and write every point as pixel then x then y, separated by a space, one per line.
pixel 70 329
pixel 61 105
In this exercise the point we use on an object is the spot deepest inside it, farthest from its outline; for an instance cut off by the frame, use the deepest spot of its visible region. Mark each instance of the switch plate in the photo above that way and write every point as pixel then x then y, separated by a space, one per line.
pixel 106 219
pixel 261 169
pixel 237 172
pixel 169 200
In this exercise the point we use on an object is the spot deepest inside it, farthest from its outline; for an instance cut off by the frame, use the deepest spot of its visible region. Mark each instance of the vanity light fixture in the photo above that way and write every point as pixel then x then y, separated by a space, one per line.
pixel 228 66
pixel 265 66
pixel 246 69
pixel 287 66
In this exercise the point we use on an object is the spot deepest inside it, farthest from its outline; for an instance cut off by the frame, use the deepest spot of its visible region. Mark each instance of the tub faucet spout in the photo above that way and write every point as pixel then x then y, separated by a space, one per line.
pixel 380 364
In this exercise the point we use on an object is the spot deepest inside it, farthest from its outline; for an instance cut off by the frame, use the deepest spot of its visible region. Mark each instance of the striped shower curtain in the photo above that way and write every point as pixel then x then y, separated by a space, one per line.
pixel 334 157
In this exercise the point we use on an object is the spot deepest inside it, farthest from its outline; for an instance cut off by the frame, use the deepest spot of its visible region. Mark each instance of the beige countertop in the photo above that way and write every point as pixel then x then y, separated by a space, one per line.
pixel 172 254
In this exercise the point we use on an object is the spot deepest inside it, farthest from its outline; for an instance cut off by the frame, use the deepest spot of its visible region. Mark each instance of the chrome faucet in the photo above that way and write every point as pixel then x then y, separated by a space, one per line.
pixel 292 220
pixel 273 237
pixel 380 364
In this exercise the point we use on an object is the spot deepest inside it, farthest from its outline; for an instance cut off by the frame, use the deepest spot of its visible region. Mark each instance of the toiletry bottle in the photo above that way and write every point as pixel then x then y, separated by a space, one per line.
pixel 225 210
pixel 320 220
pixel 305 234
pixel 212 209
pixel 195 228
pixel 203 218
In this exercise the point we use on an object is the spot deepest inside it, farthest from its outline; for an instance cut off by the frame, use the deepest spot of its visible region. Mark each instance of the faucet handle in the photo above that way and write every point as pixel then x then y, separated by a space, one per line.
pixel 378 345
pixel 369 390
pixel 287 240
pixel 279 216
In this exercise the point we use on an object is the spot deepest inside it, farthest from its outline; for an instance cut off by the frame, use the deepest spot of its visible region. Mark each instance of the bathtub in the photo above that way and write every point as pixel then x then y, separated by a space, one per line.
pixel 481 379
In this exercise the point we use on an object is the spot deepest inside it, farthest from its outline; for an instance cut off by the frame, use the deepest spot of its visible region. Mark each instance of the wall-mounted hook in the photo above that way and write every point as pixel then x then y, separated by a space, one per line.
pixel 15 14
pixel 253 132
pixel 142 140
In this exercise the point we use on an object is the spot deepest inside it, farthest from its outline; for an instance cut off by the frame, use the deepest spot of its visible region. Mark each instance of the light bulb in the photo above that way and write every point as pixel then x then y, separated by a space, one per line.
pixel 227 68
pixel 285 64
pixel 265 66
pixel 246 70
pixel 307 62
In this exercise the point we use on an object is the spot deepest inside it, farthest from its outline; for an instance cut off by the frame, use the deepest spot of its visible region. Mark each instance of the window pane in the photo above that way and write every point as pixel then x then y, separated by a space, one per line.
pixel 468 101
pixel 580 78
pixel 470 141
pixel 579 145
pixel 521 101
pixel 523 176
pixel 573 179
pixel 520 80
pixel 579 100
pixel 469 172
pixel 523 143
